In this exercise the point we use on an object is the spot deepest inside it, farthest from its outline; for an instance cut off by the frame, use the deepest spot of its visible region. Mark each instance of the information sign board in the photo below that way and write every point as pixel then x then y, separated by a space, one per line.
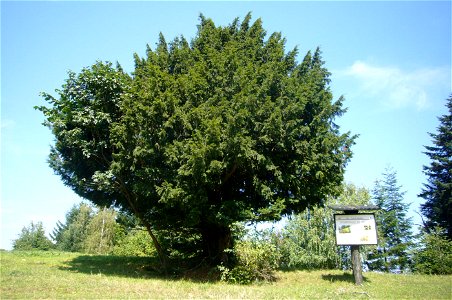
pixel 355 229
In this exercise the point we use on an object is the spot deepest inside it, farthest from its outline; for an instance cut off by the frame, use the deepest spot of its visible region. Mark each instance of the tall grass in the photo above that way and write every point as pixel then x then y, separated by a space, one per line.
pixel 59 275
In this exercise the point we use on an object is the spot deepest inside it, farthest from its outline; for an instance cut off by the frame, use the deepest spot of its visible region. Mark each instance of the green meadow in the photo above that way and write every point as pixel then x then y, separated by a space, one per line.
pixel 60 275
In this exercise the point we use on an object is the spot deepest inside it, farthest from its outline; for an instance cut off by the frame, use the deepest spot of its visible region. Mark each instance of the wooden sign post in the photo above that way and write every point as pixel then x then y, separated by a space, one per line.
pixel 354 229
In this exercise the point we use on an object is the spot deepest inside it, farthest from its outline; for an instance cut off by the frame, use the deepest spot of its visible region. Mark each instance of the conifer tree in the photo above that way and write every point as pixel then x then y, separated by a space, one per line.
pixel 438 191
pixel 394 226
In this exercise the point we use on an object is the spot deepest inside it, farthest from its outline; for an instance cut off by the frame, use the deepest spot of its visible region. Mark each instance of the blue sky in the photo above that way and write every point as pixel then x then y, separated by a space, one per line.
pixel 390 60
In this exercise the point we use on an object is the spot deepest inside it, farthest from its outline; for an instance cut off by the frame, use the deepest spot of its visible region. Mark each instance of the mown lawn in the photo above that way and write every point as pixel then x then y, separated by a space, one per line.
pixel 59 275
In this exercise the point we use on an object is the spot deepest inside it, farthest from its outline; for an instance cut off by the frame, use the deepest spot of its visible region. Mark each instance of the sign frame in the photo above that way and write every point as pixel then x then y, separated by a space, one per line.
pixel 355 229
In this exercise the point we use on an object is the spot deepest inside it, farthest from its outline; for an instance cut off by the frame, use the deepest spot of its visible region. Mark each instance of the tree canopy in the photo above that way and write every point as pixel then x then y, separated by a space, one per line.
pixel 229 127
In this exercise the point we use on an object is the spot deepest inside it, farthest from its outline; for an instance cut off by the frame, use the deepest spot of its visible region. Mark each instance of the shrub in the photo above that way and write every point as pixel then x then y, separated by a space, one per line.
pixel 255 261
pixel 136 243
pixel 435 256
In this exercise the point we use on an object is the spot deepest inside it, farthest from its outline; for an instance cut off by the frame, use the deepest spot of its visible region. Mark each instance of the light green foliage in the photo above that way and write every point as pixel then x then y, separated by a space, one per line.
pixel 394 227
pixel 435 253
pixel 33 238
pixel 308 239
pixel 351 195
pixel 101 232
pixel 256 261
pixel 88 230
pixel 229 127
pixel 72 235
pixel 137 242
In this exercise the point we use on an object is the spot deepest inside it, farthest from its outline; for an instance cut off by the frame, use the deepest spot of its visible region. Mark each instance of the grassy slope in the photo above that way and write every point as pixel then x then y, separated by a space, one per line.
pixel 70 275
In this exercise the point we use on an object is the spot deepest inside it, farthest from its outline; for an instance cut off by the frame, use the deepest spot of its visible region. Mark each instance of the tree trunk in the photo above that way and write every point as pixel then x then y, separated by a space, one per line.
pixel 356 265
pixel 132 200
pixel 216 239
pixel 158 247
pixel 102 231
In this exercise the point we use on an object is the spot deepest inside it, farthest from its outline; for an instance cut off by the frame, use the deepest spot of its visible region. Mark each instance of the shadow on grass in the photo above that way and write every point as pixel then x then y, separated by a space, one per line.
pixel 137 267
pixel 345 277
pixel 124 266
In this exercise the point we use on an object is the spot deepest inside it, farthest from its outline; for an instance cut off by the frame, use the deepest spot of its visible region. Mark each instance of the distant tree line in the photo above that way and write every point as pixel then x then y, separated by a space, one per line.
pixel 91 230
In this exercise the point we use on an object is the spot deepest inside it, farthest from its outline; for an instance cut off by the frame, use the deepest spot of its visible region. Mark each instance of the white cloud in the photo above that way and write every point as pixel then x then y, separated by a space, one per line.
pixel 7 123
pixel 398 88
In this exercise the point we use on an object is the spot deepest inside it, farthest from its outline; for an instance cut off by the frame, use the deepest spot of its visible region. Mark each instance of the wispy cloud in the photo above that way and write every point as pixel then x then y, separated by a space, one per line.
pixel 399 88
pixel 7 123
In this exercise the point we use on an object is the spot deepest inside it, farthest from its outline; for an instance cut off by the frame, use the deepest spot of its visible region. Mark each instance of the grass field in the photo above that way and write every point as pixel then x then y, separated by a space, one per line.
pixel 58 275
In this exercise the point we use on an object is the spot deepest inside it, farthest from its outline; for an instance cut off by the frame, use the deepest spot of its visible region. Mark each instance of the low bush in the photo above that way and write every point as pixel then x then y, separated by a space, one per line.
pixel 254 261
pixel 435 256
pixel 136 243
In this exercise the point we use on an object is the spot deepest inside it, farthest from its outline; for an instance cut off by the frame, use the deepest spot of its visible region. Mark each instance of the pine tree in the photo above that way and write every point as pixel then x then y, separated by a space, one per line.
pixel 57 233
pixel 437 192
pixel 394 226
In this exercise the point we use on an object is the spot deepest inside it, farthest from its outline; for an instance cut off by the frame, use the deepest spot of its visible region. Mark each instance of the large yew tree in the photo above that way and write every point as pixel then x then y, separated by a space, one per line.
pixel 228 127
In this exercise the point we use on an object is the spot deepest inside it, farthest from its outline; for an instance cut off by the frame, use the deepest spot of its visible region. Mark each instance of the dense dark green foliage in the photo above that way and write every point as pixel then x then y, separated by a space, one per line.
pixel 32 238
pixel 229 127
pixel 394 227
pixel 438 191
